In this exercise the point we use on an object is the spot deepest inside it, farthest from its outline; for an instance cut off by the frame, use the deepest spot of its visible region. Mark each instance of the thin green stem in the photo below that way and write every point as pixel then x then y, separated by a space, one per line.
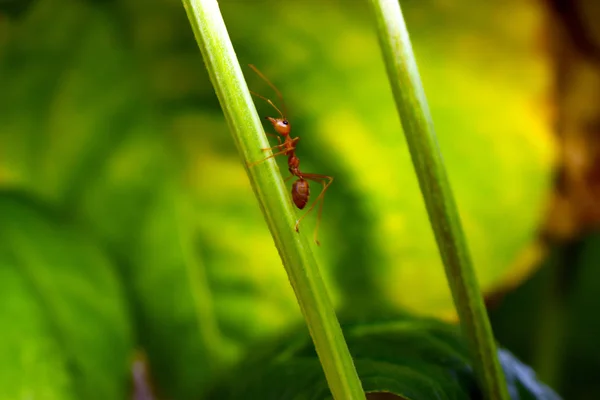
pixel 301 267
pixel 443 214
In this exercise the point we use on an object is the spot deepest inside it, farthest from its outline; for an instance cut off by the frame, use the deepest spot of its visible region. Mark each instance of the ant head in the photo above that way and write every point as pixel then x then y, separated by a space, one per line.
pixel 281 125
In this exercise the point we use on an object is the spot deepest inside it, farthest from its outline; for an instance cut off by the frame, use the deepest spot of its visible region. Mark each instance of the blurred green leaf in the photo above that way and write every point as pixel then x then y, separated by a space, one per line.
pixel 107 113
pixel 484 83
pixel 14 8
pixel 194 319
pixel 63 297
pixel 563 292
pixel 150 82
pixel 32 363
pixel 410 357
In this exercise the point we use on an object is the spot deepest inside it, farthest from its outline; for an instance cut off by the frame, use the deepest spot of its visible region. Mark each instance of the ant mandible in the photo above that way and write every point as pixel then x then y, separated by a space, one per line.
pixel 300 188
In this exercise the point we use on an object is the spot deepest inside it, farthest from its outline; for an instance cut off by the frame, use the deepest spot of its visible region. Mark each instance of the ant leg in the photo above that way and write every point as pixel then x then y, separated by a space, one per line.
pixel 250 165
pixel 281 145
pixel 320 212
pixel 274 147
pixel 320 199
pixel 278 147
pixel 274 135
pixel 326 182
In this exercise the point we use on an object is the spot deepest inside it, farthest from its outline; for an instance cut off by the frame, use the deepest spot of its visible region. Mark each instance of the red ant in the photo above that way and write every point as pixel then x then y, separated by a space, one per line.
pixel 300 188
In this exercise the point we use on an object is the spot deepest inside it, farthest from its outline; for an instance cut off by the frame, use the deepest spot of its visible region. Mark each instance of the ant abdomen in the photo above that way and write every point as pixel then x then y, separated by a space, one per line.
pixel 300 193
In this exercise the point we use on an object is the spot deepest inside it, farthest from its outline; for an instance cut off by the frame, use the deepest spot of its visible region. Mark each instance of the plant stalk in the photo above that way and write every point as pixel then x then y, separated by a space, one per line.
pixel 443 214
pixel 298 260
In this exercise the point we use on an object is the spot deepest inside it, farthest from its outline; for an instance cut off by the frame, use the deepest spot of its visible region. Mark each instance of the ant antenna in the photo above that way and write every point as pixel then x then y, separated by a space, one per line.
pixel 270 102
pixel 279 95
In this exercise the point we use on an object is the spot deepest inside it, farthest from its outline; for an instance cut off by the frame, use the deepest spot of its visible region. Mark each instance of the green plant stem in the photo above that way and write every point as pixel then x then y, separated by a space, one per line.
pixel 298 260
pixel 443 214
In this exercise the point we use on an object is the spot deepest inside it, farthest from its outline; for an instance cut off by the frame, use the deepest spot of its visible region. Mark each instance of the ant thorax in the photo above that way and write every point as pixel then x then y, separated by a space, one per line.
pixel 294 164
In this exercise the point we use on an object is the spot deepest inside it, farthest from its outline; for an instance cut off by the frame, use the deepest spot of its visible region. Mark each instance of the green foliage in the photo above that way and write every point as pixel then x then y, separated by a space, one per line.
pixel 14 7
pixel 108 118
pixel 410 357
pixel 547 321
pixel 66 331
